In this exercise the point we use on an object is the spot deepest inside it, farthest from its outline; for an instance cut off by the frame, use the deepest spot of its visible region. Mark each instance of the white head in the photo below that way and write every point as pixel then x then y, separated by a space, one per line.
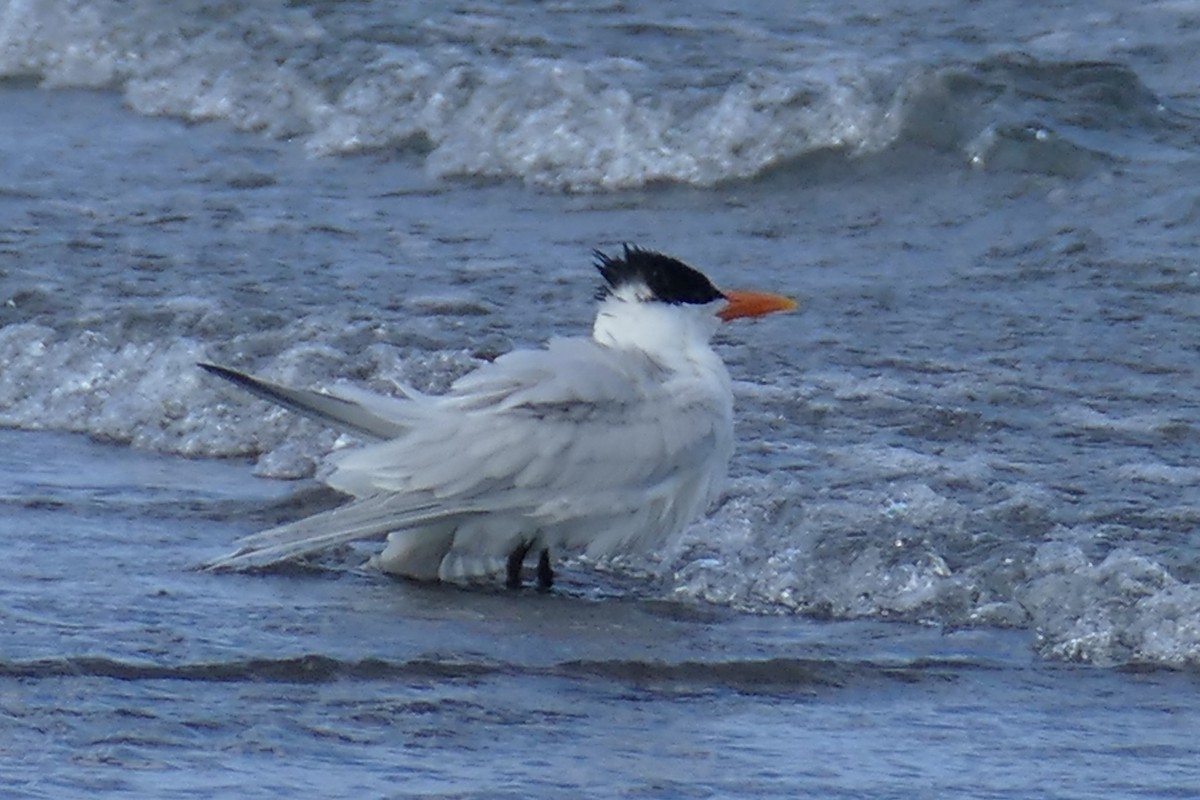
pixel 660 305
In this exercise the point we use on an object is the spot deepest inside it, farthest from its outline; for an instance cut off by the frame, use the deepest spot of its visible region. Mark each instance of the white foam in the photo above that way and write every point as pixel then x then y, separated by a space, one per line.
pixel 1157 472
pixel 886 550
pixel 1090 419
pixel 65 47
pixel 867 553
pixel 143 394
pixel 151 394
pixel 581 123
pixel 1126 608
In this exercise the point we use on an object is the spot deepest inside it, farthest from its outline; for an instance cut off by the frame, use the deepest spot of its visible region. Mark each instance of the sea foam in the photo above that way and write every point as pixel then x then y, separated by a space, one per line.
pixel 523 109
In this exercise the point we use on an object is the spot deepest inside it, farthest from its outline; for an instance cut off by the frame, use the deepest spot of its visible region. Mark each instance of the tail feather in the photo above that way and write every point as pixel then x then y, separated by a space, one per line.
pixel 352 415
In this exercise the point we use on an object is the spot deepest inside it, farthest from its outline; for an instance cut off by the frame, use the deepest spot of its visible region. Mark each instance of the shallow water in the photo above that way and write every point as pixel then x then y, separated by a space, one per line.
pixel 967 468
pixel 128 675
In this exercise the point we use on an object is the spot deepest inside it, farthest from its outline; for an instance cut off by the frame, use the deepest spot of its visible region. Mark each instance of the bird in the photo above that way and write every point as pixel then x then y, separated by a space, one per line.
pixel 602 445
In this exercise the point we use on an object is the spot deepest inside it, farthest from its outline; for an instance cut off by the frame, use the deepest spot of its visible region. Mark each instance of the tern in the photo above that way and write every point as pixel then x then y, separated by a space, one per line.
pixel 601 446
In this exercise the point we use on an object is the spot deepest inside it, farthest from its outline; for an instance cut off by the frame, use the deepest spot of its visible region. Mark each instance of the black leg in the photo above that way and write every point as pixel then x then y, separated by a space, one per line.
pixel 545 575
pixel 515 559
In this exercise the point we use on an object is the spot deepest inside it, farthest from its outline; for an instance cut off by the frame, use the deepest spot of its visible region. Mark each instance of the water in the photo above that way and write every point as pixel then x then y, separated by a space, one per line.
pixel 960 549
pixel 125 673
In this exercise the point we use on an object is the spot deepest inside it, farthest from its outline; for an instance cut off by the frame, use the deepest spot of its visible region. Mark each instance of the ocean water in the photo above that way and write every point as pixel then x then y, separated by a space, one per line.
pixel 959 554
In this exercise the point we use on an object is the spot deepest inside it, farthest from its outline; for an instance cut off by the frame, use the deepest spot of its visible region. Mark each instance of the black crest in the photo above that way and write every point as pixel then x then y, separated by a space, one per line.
pixel 667 279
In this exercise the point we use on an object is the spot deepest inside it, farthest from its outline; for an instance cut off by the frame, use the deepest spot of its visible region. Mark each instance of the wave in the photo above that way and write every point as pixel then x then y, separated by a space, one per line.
pixel 772 675
pixel 468 108
pixel 299 669
pixel 889 540
pixel 908 553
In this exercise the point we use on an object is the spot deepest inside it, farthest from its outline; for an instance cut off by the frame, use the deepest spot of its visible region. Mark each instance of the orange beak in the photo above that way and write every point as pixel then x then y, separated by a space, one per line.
pixel 754 304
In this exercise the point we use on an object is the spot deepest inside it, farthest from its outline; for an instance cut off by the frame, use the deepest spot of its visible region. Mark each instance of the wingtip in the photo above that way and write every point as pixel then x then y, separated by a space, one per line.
pixel 216 369
pixel 224 564
pixel 232 375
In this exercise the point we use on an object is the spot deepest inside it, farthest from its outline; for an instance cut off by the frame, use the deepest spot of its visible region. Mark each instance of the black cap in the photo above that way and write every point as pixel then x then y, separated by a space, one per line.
pixel 666 279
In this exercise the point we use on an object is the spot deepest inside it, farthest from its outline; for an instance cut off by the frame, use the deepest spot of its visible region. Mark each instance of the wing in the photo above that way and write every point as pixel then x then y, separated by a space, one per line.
pixel 362 413
pixel 367 518
pixel 577 426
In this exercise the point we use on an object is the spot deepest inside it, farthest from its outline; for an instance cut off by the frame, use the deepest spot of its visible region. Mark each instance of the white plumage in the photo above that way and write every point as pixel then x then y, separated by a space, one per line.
pixel 602 446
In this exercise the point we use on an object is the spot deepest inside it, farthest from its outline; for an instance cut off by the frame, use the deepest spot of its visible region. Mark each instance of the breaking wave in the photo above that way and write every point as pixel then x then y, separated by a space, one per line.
pixel 500 103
